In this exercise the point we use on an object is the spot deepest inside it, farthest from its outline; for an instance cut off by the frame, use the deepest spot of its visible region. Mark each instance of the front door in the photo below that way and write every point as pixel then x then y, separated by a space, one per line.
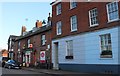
pixel 56 62
pixel 27 61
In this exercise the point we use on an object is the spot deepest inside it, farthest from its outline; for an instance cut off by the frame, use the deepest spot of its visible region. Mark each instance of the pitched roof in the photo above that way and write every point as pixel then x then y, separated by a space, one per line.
pixel 31 33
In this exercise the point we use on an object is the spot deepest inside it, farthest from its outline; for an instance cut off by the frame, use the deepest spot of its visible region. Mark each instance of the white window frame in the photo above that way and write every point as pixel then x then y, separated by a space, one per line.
pixel 73 4
pixel 28 42
pixel 73 24
pixel 59 27
pixel 117 11
pixel 43 40
pixel 58 9
pixel 106 43
pixel 93 16
pixel 19 45
pixel 69 48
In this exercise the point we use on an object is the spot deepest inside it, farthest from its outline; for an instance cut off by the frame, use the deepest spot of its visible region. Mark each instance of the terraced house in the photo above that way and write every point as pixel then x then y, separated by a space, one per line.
pixel 86 36
pixel 33 48
pixel 11 42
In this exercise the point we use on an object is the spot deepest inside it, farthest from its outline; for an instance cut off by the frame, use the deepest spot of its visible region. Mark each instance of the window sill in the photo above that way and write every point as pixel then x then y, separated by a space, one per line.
pixel 72 8
pixel 74 30
pixel 110 21
pixel 106 56
pixel 68 57
pixel 58 34
pixel 42 45
pixel 93 25
pixel 58 14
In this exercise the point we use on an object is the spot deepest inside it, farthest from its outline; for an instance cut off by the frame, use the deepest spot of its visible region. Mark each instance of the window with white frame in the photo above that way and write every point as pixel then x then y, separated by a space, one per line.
pixel 43 40
pixel 73 4
pixel 93 17
pixel 59 26
pixel 112 11
pixel 19 45
pixel 28 42
pixel 106 45
pixel 58 9
pixel 73 21
pixel 69 48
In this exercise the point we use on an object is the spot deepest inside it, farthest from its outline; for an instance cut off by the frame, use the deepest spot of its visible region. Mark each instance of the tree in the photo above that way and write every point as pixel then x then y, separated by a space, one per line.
pixel 3 50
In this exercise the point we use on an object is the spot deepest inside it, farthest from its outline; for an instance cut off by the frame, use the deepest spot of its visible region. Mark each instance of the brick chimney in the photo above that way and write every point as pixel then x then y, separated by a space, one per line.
pixel 38 24
pixel 23 30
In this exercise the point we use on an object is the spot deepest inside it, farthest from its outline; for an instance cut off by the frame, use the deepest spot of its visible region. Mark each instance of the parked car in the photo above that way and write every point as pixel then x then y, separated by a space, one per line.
pixel 4 59
pixel 12 64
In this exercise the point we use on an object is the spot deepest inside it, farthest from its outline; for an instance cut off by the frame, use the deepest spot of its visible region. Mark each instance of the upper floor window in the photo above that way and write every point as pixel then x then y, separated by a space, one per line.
pixel 106 46
pixel 58 9
pixel 19 45
pixel 73 4
pixel 73 21
pixel 93 17
pixel 112 11
pixel 59 28
pixel 28 42
pixel 43 40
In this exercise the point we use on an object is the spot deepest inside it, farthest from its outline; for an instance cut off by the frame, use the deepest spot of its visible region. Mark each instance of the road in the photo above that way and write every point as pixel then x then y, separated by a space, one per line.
pixel 20 72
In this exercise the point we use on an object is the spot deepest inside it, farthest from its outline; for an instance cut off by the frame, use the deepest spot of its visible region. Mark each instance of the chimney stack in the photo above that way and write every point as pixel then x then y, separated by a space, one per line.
pixel 23 30
pixel 38 24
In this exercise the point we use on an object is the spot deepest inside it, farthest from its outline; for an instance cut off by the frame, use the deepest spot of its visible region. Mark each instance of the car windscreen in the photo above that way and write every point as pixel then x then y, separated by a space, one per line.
pixel 11 61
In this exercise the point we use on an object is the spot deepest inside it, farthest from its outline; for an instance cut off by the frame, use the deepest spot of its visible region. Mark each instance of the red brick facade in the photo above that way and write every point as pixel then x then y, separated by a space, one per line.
pixel 35 40
pixel 82 13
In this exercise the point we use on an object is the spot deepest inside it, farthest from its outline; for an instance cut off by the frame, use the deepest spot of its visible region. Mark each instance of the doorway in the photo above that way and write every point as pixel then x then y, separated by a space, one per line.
pixel 56 60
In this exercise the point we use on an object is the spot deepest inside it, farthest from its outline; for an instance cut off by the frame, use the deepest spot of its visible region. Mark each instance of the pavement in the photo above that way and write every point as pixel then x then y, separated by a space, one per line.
pixel 64 73
pixel 50 71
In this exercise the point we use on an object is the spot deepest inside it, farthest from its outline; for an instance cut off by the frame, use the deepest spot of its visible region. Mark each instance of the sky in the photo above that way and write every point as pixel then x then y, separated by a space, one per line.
pixel 13 16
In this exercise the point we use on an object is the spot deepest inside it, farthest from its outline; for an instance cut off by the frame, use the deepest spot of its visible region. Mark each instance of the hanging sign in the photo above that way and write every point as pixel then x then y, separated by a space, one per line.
pixel 42 56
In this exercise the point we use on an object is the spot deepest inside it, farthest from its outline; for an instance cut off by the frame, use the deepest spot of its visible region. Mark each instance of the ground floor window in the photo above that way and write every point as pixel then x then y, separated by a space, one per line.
pixel 106 46
pixel 69 46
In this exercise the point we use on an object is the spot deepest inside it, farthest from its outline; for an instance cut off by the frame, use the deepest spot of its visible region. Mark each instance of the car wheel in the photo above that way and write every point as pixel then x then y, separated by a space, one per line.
pixel 9 67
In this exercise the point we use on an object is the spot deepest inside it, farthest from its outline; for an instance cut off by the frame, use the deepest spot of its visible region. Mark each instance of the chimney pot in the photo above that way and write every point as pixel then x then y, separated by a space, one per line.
pixel 38 24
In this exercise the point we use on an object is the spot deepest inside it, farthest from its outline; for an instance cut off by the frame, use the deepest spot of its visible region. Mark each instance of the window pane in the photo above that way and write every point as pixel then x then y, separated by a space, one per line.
pixel 113 10
pixel 73 23
pixel 59 30
pixel 106 44
pixel 69 48
pixel 73 4
pixel 43 40
pixel 58 9
pixel 93 16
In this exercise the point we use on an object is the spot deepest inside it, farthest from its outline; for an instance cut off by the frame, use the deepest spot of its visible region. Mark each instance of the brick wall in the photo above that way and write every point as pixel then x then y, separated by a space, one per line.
pixel 81 11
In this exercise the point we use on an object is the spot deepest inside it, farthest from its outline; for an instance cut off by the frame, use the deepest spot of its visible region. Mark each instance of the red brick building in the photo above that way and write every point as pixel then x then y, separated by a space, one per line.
pixel 85 36
pixel 34 47
pixel 11 42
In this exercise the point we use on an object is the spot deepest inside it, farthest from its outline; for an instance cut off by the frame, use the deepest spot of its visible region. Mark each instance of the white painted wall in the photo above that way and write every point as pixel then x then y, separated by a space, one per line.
pixel 86 48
